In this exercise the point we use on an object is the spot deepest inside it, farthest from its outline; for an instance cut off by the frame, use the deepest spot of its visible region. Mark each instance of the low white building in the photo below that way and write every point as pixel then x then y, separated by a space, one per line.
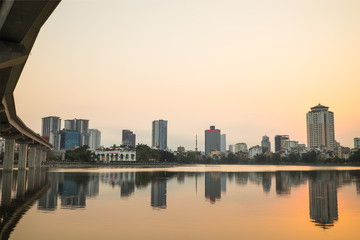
pixel 119 155
pixel 253 151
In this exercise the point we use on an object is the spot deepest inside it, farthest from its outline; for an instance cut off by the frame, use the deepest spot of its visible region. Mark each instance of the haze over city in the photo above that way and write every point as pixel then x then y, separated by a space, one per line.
pixel 249 67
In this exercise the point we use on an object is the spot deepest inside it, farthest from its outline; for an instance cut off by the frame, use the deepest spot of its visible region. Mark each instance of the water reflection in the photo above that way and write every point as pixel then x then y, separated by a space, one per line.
pixel 323 199
pixel 20 190
pixel 28 186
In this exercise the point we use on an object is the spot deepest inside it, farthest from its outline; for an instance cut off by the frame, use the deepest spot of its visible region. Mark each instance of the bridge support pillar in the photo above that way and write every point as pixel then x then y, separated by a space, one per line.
pixel 39 156
pixel 44 155
pixel 31 180
pixel 6 188
pixel 9 154
pixel 20 188
pixel 32 157
pixel 22 156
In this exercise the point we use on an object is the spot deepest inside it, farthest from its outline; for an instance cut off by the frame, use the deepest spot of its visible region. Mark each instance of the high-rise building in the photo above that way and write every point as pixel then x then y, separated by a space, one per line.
pixel 280 142
pixel 81 126
pixel 240 147
pixel 223 143
pixel 159 134
pixel 320 128
pixel 128 138
pixel 94 139
pixel 265 144
pixel 51 129
pixel 212 140
pixel 356 142
pixel 69 139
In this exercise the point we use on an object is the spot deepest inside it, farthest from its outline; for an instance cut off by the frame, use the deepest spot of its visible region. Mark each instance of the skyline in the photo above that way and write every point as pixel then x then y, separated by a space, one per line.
pixel 249 68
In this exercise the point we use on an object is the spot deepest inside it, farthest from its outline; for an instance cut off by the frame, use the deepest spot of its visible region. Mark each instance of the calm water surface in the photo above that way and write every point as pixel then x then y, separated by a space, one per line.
pixel 197 202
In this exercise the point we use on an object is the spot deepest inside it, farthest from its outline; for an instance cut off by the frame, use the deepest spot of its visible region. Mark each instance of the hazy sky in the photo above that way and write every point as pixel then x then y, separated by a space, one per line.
pixel 249 67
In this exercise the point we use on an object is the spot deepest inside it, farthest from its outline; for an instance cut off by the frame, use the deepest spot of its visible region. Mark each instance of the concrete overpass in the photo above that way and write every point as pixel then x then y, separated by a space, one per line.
pixel 20 23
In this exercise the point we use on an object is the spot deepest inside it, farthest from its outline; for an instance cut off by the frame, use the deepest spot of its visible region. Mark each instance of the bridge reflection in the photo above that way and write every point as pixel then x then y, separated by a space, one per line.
pixel 19 191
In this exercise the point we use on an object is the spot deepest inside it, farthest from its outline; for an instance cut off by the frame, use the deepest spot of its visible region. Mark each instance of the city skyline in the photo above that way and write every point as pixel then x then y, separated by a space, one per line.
pixel 267 62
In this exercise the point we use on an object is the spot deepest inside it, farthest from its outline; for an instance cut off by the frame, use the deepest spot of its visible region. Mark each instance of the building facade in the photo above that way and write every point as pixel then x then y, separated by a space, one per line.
pixel 94 139
pixel 240 147
pixel 223 143
pixel 254 151
pixel 356 142
pixel 120 155
pixel 265 144
pixel 81 126
pixel 280 142
pixel 128 138
pixel 212 140
pixel 320 128
pixel 51 129
pixel 159 134
pixel 69 139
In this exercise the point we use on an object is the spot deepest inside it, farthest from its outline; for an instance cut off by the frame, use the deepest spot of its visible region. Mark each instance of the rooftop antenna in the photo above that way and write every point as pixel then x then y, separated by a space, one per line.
pixel 196 148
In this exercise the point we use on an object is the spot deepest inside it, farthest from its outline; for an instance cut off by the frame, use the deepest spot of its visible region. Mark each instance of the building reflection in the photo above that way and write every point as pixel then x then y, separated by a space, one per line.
pixel 323 199
pixel 215 183
pixel 158 193
pixel 72 189
pixel 19 191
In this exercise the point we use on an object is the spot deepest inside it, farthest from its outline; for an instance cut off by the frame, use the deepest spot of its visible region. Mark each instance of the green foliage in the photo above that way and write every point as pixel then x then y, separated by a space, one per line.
pixel 355 158
pixel 81 154
pixel 144 153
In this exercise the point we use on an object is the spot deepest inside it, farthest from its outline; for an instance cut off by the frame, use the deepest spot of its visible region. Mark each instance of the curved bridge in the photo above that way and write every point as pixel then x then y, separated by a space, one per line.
pixel 20 23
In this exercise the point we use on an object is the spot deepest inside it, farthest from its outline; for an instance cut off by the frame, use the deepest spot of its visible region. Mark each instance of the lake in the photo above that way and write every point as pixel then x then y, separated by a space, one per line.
pixel 185 202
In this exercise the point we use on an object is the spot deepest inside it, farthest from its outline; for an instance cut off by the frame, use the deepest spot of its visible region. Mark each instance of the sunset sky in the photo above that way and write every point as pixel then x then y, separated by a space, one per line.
pixel 249 67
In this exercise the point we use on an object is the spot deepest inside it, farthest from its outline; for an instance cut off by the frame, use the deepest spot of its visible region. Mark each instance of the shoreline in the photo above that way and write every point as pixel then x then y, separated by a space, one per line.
pixel 69 165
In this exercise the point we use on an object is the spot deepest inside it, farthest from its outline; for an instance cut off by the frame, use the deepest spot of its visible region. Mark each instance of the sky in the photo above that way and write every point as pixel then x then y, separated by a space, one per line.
pixel 249 67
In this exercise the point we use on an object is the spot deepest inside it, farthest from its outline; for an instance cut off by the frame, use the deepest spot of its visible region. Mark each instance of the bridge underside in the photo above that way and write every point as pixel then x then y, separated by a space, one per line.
pixel 20 23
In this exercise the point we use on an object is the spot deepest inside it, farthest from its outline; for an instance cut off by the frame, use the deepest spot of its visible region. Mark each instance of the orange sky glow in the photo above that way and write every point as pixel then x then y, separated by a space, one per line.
pixel 249 67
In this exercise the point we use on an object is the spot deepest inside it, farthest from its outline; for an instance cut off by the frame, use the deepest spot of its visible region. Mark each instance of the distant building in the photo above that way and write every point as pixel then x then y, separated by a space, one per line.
pixel 128 138
pixel 94 139
pixel 254 151
pixel 159 134
pixel 356 142
pixel 231 148
pixel 320 128
pixel 223 143
pixel 81 126
pixel 240 147
pixel 265 144
pixel 280 142
pixel 69 139
pixel 212 140
pixel 119 155
pixel 51 129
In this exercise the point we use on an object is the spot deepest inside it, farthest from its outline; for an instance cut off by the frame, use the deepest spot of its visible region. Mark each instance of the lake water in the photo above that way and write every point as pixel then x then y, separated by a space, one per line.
pixel 195 202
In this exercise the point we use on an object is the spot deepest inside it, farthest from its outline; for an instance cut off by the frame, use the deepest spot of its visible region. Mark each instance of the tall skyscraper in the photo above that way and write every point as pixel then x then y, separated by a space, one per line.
pixel 51 129
pixel 94 139
pixel 81 126
pixel 265 144
pixel 128 138
pixel 212 140
pixel 356 142
pixel 280 142
pixel 320 128
pixel 223 143
pixel 159 134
